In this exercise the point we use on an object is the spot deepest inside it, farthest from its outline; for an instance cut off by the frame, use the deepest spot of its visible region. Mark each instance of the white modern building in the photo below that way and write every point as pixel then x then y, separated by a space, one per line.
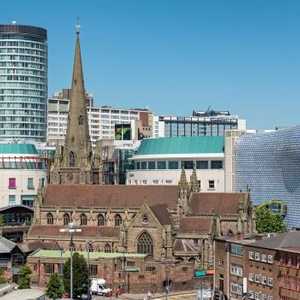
pixel 159 161
pixel 102 120
pixel 22 172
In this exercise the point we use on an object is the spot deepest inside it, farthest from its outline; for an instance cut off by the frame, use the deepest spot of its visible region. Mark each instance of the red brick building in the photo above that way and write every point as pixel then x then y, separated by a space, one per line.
pixel 258 267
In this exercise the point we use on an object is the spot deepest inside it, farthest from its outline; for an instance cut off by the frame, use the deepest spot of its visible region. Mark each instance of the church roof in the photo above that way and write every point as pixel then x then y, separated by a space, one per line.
pixel 162 214
pixel 198 225
pixel 87 231
pixel 109 196
pixel 216 203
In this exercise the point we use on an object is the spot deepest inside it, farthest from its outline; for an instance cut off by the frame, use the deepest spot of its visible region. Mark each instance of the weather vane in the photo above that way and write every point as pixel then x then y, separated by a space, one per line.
pixel 77 26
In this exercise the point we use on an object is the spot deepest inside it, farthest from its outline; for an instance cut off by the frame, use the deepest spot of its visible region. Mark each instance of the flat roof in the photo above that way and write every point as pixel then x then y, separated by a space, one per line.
pixel 93 255
pixel 182 145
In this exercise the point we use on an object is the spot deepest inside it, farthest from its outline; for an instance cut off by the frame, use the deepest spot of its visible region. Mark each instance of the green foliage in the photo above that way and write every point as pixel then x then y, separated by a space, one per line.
pixel 267 221
pixel 55 288
pixel 80 275
pixel 2 220
pixel 24 277
pixel 2 277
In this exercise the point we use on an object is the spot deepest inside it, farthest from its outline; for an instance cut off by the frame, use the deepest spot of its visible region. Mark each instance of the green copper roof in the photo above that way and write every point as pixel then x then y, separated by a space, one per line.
pixel 182 145
pixel 17 149
pixel 93 255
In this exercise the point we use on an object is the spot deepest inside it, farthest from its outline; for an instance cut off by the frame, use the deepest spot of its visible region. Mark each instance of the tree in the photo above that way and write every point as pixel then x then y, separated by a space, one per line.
pixel 55 288
pixel 24 277
pixel 267 221
pixel 80 275
pixel 2 277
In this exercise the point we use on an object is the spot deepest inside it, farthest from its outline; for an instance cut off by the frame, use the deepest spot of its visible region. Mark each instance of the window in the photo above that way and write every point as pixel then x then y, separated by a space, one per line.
pixel 145 219
pixel 211 184
pixel 257 256
pixel 83 219
pixel 27 200
pixel 60 268
pixel 93 270
pixel 30 184
pixel 143 165
pixel 173 164
pixel 264 258
pixel 49 218
pixel 188 164
pixel 264 280
pixel 137 165
pixel 216 164
pixel 236 288
pixel 145 244
pixel 107 248
pixel 257 278
pixel 66 219
pixel 12 200
pixel 251 255
pixel 236 249
pixel 118 220
pixel 161 165
pixel 251 277
pixel 236 270
pixel 71 159
pixel 270 259
pixel 270 281
pixel 101 220
pixel 202 164
pixel 151 165
pixel 12 184
pixel 49 268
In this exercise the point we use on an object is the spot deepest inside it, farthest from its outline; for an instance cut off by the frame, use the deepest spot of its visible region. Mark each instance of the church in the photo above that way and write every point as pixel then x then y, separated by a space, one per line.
pixel 139 237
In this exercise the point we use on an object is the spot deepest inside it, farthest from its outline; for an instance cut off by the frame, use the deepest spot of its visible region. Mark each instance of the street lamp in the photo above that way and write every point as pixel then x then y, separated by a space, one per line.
pixel 71 230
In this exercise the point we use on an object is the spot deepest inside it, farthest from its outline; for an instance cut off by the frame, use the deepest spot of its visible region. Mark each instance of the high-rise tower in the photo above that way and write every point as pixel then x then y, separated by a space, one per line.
pixel 23 82
pixel 74 162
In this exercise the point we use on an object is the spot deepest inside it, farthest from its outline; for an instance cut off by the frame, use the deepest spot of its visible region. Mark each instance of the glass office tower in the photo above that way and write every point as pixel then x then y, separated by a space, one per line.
pixel 269 165
pixel 23 82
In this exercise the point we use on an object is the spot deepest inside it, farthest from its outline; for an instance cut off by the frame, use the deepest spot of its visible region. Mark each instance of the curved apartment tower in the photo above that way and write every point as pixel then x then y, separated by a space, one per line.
pixel 23 82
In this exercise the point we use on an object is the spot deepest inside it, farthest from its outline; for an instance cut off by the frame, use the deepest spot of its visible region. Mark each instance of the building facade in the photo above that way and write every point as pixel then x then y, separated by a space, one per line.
pixel 159 161
pixel 267 164
pixel 211 123
pixel 22 171
pixel 258 267
pixel 23 82
pixel 102 120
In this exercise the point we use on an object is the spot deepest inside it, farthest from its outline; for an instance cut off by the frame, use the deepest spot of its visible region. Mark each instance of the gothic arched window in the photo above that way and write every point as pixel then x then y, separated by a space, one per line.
pixel 66 219
pixel 118 220
pixel 107 248
pixel 83 219
pixel 71 159
pixel 101 220
pixel 49 218
pixel 145 244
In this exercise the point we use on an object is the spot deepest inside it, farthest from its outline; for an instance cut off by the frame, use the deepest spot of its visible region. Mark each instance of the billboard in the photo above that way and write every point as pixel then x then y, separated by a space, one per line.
pixel 123 132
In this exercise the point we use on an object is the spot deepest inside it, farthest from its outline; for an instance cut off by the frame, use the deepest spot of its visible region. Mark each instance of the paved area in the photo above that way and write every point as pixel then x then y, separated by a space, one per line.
pixel 23 294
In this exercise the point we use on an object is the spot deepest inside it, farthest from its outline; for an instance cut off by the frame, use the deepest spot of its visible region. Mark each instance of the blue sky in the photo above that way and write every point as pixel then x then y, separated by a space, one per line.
pixel 175 56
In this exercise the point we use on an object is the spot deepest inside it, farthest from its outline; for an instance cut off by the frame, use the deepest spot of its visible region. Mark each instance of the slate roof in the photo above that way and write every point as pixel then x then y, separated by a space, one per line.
pixel 162 214
pixel 6 246
pixel 288 240
pixel 216 203
pixel 195 225
pixel 109 196
pixel 53 231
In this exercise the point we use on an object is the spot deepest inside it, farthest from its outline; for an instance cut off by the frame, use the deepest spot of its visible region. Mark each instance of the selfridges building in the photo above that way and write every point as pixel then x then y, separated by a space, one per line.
pixel 269 165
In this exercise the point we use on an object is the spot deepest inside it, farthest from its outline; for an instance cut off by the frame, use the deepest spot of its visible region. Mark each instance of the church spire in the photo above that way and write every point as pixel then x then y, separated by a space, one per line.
pixel 77 137
pixel 75 164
